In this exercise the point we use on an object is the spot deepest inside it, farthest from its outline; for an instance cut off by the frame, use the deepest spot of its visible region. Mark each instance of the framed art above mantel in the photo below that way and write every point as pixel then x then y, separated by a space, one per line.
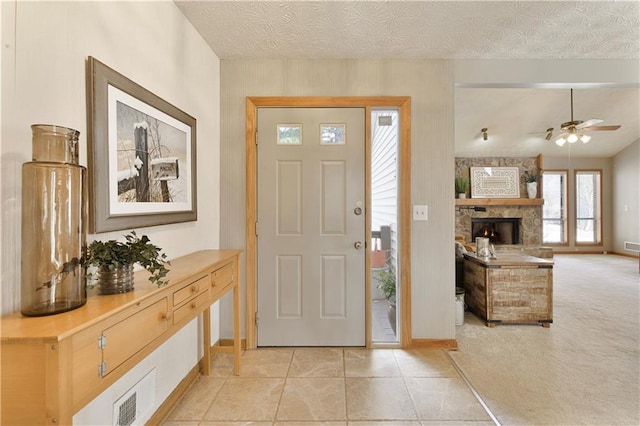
pixel 141 155
pixel 495 182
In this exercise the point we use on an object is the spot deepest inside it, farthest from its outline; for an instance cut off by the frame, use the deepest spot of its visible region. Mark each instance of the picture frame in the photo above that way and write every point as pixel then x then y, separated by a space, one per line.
pixel 141 155
pixel 495 182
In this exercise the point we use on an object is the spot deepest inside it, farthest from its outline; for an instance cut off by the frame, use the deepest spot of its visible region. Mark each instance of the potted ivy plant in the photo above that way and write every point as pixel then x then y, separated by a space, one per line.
pixel 114 261
pixel 387 284
pixel 531 181
pixel 462 186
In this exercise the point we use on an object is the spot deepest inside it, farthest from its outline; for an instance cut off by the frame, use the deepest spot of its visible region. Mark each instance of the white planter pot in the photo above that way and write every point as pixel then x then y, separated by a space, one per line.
pixel 462 195
pixel 532 189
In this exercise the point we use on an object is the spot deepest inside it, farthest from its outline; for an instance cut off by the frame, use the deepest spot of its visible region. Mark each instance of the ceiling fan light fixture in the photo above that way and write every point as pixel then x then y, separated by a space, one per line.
pixel 572 131
pixel 485 135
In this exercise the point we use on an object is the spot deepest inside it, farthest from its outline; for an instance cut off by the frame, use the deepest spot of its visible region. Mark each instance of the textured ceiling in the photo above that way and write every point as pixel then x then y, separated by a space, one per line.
pixel 516 118
pixel 418 29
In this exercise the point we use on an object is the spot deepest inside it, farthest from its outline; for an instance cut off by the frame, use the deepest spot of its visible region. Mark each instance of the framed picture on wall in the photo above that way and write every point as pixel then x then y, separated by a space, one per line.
pixel 141 155
pixel 495 182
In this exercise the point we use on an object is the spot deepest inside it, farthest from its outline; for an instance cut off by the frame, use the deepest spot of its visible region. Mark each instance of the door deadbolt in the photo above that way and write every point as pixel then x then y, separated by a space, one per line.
pixel 358 245
pixel 357 211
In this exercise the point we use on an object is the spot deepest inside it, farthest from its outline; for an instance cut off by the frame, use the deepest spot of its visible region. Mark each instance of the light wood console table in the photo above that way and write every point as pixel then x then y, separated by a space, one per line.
pixel 52 366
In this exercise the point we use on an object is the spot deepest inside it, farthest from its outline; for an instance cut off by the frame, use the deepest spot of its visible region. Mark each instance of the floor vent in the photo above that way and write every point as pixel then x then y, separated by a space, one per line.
pixel 632 246
pixel 134 407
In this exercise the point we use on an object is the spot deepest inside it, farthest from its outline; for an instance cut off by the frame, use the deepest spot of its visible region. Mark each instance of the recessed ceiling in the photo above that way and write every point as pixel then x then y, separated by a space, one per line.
pixel 516 118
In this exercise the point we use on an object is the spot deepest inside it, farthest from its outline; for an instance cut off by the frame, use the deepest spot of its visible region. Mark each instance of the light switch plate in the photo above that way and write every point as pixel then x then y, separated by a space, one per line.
pixel 420 212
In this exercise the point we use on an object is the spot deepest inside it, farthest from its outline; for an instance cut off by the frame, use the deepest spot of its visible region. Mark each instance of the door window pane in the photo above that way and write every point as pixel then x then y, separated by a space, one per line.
pixel 554 211
pixel 289 134
pixel 588 206
pixel 333 134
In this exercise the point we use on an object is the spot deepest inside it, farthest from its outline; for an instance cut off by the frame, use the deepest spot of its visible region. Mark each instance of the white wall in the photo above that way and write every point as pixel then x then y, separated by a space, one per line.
pixel 44 49
pixel 626 197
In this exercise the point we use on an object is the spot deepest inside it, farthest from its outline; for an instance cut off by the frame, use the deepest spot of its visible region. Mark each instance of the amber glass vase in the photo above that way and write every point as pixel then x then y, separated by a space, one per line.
pixel 53 224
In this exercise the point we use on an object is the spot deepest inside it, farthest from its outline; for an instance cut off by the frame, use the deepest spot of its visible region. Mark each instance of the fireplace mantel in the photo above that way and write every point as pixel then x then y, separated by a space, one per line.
pixel 499 201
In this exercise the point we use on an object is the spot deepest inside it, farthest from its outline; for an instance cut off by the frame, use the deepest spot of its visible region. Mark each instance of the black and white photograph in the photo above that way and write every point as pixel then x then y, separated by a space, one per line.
pixel 142 167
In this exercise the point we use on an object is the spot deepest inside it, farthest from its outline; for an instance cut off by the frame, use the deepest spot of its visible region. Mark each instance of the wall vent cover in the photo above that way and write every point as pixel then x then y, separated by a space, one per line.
pixel 127 411
pixel 136 405
pixel 628 245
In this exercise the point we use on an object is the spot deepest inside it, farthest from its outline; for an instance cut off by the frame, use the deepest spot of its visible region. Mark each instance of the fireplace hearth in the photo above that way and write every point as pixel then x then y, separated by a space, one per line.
pixel 499 230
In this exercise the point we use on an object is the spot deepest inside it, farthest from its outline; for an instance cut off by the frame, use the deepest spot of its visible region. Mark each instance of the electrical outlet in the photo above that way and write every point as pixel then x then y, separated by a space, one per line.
pixel 420 212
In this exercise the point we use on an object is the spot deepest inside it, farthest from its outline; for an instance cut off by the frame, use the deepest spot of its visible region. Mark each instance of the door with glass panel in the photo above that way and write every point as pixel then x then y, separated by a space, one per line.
pixel 311 227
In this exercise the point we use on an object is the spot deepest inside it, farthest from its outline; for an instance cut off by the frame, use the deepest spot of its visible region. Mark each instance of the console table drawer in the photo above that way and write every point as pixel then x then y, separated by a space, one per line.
pixel 126 338
pixel 189 307
pixel 189 291
pixel 222 277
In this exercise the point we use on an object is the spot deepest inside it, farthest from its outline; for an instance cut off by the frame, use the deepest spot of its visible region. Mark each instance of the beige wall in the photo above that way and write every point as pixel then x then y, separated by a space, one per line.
pixel 626 197
pixel 44 48
pixel 430 85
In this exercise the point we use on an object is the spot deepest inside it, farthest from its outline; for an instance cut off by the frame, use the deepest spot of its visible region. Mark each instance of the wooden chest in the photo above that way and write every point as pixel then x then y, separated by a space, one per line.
pixel 516 289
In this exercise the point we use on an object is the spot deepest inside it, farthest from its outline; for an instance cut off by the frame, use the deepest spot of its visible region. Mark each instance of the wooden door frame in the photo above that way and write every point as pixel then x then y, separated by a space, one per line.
pixel 403 104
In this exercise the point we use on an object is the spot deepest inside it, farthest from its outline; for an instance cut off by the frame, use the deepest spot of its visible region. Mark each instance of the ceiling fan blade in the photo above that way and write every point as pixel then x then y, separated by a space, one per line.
pixel 600 128
pixel 589 123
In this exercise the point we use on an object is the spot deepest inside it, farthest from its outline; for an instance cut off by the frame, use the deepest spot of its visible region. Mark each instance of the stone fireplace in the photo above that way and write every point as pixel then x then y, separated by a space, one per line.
pixel 524 215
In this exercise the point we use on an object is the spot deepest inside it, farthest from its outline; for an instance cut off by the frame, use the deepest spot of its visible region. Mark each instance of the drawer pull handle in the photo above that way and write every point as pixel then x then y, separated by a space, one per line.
pixel 194 289
pixel 193 305
pixel 165 316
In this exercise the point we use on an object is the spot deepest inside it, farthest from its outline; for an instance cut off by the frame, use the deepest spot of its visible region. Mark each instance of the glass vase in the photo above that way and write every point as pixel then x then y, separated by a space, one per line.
pixel 53 224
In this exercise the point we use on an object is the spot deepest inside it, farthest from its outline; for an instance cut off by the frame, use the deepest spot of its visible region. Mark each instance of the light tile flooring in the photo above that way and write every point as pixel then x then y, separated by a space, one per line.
pixel 331 386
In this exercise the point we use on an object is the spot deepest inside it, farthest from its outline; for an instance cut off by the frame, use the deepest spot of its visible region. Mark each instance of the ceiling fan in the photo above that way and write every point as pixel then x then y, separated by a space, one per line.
pixel 573 131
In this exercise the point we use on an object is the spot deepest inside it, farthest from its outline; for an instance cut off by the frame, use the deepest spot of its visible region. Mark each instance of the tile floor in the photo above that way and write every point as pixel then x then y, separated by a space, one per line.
pixel 331 386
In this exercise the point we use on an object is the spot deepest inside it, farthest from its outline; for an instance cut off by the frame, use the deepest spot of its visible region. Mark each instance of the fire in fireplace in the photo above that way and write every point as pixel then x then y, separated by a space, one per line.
pixel 499 230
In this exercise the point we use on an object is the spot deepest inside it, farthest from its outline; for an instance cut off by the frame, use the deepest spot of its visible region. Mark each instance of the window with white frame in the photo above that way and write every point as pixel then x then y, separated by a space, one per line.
pixel 554 211
pixel 588 206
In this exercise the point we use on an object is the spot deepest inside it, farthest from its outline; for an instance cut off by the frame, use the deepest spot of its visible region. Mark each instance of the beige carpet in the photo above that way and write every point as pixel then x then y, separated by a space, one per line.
pixel 584 370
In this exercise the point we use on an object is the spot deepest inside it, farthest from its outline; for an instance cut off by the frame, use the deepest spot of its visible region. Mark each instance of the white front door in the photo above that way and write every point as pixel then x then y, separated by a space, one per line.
pixel 311 227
